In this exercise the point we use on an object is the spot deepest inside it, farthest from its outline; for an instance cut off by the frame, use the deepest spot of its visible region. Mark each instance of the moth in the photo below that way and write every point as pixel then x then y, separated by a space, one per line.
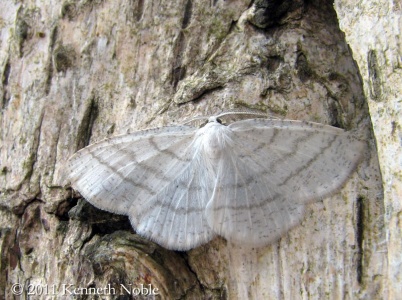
pixel 249 181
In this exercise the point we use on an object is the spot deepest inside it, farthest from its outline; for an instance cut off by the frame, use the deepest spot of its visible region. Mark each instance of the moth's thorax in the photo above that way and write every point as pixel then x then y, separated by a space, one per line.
pixel 215 138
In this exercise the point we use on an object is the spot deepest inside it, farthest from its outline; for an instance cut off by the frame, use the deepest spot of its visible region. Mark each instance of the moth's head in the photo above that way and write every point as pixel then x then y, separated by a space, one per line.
pixel 225 118
pixel 214 119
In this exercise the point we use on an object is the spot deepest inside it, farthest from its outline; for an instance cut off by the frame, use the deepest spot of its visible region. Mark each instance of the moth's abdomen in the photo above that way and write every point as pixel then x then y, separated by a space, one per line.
pixel 213 148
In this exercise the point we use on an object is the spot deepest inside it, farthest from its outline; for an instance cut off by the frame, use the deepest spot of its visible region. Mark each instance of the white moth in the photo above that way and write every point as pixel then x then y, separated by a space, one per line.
pixel 248 182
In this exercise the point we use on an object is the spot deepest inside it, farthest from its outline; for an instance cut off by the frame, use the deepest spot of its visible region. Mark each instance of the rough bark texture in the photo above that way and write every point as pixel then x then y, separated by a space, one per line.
pixel 374 35
pixel 74 72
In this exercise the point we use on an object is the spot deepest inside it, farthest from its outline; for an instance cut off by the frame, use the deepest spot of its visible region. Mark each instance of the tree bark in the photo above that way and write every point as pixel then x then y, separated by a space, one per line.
pixel 75 72
pixel 373 33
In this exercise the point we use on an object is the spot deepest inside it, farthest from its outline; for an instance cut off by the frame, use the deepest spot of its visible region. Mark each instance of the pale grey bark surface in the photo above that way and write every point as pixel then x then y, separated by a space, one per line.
pixel 75 72
pixel 373 33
